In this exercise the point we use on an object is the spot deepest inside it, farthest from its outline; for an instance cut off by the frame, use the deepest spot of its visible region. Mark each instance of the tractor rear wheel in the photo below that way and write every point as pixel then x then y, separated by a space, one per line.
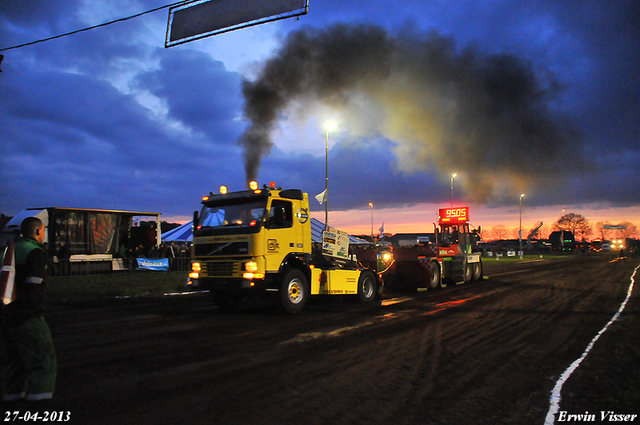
pixel 468 272
pixel 434 271
pixel 477 271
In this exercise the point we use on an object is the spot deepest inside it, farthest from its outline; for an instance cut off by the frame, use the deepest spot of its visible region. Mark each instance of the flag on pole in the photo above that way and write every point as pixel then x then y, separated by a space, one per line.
pixel 381 231
pixel 322 196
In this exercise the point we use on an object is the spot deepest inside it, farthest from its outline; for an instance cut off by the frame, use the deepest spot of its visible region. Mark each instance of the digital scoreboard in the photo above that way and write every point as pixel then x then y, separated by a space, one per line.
pixel 458 215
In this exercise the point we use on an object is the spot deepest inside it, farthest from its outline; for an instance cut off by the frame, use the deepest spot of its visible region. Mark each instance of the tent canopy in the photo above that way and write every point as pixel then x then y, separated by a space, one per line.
pixel 184 234
pixel 316 234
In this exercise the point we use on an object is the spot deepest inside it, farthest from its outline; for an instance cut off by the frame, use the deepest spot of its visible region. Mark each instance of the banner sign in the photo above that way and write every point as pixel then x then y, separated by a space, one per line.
pixel 335 243
pixel 161 264
pixel 85 232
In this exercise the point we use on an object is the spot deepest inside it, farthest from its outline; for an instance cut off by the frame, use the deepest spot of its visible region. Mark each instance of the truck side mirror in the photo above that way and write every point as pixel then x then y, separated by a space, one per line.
pixel 194 224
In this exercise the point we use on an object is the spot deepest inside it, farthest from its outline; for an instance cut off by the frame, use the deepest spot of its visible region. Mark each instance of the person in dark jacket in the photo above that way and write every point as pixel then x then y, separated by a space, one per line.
pixel 30 368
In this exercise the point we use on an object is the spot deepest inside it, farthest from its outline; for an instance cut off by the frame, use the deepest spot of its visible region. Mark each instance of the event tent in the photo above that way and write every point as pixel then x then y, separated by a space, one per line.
pixel 184 234
pixel 180 234
pixel 316 234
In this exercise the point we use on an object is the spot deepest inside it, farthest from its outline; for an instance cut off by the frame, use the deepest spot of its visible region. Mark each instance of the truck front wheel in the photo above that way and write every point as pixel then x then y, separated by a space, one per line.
pixel 367 287
pixel 294 291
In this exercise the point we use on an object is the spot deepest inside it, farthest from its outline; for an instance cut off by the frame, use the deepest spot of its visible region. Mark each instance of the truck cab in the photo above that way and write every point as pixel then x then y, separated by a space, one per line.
pixel 258 241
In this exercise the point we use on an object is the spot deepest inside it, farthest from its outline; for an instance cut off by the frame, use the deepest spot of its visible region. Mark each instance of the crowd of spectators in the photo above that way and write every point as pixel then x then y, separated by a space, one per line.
pixel 178 255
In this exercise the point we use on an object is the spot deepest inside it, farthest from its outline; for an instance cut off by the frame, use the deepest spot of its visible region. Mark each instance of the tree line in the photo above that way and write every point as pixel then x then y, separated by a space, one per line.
pixel 576 223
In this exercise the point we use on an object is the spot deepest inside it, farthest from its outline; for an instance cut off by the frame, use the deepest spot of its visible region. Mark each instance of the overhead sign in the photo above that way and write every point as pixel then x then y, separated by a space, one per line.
pixel 204 18
pixel 457 215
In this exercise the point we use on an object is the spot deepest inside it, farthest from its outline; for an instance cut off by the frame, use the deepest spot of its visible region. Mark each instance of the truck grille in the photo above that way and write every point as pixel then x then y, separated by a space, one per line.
pixel 221 269
pixel 221 248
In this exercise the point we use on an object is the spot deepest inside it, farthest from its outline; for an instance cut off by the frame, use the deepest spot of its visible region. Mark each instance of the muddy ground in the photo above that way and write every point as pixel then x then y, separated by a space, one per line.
pixel 488 352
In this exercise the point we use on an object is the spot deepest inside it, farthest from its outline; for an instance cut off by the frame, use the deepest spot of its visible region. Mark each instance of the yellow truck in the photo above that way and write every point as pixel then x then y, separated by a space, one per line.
pixel 258 242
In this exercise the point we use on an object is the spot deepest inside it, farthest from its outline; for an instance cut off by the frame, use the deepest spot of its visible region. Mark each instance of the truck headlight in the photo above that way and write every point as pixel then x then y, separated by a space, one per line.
pixel 251 266
pixel 196 267
pixel 387 257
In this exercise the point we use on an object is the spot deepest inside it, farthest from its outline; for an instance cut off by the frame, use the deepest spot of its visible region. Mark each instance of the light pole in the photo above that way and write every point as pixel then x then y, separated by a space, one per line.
pixel 520 232
pixel 452 176
pixel 330 126
pixel 371 205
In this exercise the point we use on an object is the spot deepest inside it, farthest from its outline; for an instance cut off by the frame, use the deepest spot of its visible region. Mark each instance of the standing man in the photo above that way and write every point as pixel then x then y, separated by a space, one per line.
pixel 30 361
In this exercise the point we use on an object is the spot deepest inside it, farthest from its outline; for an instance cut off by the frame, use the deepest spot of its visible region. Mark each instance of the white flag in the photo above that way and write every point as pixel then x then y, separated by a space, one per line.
pixel 322 196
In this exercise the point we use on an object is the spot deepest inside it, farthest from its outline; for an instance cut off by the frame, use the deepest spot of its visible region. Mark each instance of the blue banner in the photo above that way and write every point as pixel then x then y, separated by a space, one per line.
pixel 161 264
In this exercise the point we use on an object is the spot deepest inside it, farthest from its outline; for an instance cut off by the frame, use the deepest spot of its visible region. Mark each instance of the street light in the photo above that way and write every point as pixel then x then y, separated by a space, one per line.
pixel 329 126
pixel 371 205
pixel 452 176
pixel 520 232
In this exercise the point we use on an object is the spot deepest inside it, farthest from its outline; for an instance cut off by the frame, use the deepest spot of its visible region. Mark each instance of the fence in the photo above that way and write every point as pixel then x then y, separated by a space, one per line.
pixel 87 266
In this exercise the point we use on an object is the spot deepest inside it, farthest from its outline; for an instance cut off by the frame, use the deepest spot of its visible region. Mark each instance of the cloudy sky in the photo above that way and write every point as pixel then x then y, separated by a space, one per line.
pixel 537 97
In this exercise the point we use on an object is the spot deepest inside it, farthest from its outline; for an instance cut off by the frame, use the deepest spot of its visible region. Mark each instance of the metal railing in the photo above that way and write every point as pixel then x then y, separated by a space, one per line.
pixel 66 267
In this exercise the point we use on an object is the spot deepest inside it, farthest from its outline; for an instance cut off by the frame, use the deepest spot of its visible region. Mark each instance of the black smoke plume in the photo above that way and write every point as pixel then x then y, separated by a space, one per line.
pixel 488 116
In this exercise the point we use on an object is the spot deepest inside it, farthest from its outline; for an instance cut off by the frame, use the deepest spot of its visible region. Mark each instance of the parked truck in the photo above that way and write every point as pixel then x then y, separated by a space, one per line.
pixel 562 241
pixel 258 242
pixel 450 259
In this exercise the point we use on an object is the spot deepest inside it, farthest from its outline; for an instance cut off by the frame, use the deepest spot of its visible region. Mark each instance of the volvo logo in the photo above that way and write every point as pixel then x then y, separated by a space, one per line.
pixel 303 215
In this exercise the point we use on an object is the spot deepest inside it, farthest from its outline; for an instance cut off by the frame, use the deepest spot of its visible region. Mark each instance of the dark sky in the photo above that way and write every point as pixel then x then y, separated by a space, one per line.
pixel 535 97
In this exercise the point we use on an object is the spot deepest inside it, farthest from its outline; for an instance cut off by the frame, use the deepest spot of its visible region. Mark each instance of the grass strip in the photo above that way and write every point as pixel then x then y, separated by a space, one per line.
pixel 105 287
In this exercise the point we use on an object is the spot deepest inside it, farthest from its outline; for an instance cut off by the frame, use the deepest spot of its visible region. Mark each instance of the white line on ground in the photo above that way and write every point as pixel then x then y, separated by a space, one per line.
pixel 554 401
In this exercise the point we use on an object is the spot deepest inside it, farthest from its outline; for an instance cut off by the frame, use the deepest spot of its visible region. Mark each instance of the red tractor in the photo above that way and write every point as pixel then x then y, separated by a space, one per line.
pixel 451 258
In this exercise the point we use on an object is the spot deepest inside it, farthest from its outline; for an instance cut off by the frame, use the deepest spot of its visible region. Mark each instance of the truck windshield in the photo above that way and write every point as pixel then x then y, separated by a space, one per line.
pixel 236 217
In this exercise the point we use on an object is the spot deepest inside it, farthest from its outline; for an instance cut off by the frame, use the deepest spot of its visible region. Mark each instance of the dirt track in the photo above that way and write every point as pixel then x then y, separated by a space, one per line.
pixel 481 353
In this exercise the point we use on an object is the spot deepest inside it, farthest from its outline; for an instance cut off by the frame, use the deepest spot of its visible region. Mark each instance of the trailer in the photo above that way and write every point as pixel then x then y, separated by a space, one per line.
pixel 89 237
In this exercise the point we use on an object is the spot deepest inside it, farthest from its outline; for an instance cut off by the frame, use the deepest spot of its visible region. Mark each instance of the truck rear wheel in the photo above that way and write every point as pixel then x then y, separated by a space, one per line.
pixel 367 287
pixel 294 291
pixel 434 281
